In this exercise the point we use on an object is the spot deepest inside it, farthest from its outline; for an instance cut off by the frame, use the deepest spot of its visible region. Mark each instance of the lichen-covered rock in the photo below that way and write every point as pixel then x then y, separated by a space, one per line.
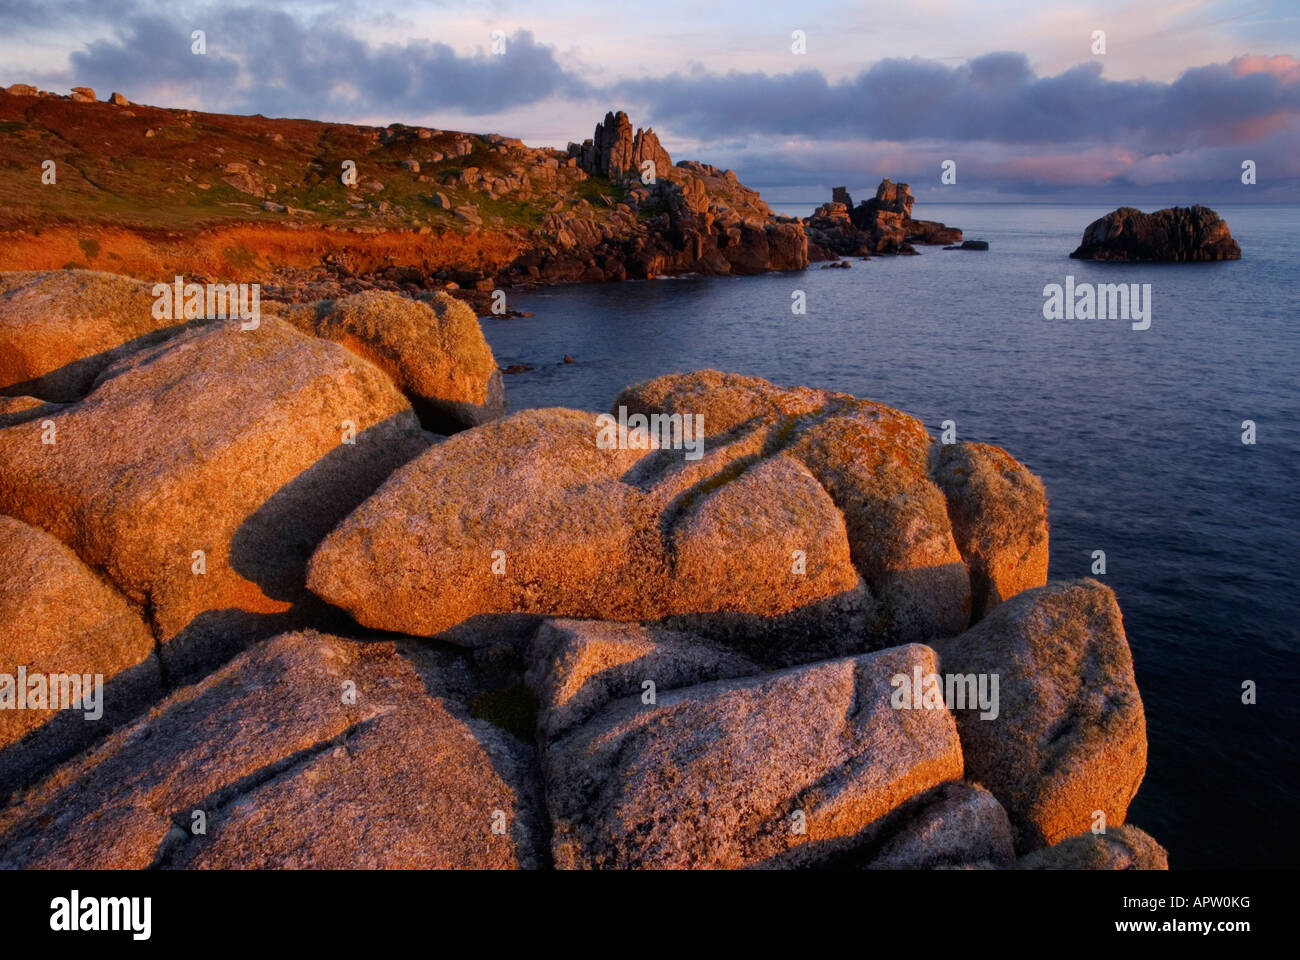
pixel 999 518
pixel 1069 737
pixel 433 348
pixel 201 472
pixel 60 328
pixel 784 769
pixel 1175 233
pixel 306 751
pixel 57 619
pixel 579 666
pixel 957 825
pixel 1123 847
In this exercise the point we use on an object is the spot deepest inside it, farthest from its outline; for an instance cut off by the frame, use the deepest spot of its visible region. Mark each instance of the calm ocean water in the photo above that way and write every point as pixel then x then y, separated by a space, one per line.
pixel 1137 435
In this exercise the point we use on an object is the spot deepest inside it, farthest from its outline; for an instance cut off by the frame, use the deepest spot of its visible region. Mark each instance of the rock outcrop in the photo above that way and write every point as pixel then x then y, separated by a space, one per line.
pixel 1181 234
pixel 1069 738
pixel 882 224
pixel 684 218
pixel 809 525
pixel 308 751
pixel 616 152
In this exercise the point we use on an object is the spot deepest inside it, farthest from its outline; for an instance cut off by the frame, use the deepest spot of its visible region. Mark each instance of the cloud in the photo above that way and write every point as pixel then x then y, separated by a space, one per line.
pixel 992 98
pixel 272 62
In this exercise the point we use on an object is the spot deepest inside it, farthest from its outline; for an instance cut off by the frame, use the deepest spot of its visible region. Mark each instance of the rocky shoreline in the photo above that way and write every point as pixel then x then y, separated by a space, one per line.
pixel 355 616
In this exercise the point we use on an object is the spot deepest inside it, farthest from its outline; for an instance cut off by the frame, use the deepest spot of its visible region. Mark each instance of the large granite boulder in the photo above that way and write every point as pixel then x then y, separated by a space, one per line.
pixel 59 619
pixel 808 526
pixel 201 472
pixel 60 328
pixel 432 348
pixel 1069 735
pixel 785 769
pixel 999 519
pixel 1175 233
pixel 306 751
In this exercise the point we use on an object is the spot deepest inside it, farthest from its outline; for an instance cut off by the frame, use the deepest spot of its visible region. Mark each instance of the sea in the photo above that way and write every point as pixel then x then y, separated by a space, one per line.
pixel 1137 433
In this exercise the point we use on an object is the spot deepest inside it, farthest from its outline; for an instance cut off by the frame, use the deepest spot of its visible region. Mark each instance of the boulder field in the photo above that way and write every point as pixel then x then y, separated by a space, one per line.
pixel 728 625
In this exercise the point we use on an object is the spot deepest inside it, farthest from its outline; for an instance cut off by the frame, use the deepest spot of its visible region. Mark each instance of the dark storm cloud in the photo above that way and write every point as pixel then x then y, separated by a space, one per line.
pixel 996 98
pixel 272 62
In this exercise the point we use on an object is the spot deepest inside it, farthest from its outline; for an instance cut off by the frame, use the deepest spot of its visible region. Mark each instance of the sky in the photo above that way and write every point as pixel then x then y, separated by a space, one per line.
pixel 1020 96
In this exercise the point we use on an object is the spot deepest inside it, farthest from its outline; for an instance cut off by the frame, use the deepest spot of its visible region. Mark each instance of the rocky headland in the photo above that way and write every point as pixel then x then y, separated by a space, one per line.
pixel 1179 234
pixel 321 210
pixel 355 616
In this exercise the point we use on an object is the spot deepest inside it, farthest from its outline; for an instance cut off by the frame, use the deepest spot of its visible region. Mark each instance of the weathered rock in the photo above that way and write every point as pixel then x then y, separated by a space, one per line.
pixel 809 526
pixel 955 825
pixel 1070 735
pixel 786 769
pixel 871 460
pixel 931 232
pixel 119 100
pixel 60 328
pixel 616 152
pixel 221 440
pixel 21 90
pixel 1175 233
pixel 579 666
pixel 882 224
pixel 289 774
pixel 576 533
pixel 999 519
pixel 1123 847
pixel 432 348
pixel 971 245
pixel 57 618
pixel 83 95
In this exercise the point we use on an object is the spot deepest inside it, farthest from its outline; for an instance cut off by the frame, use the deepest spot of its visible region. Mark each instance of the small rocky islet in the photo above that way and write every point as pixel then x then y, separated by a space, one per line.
pixel 1175 234
pixel 423 632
